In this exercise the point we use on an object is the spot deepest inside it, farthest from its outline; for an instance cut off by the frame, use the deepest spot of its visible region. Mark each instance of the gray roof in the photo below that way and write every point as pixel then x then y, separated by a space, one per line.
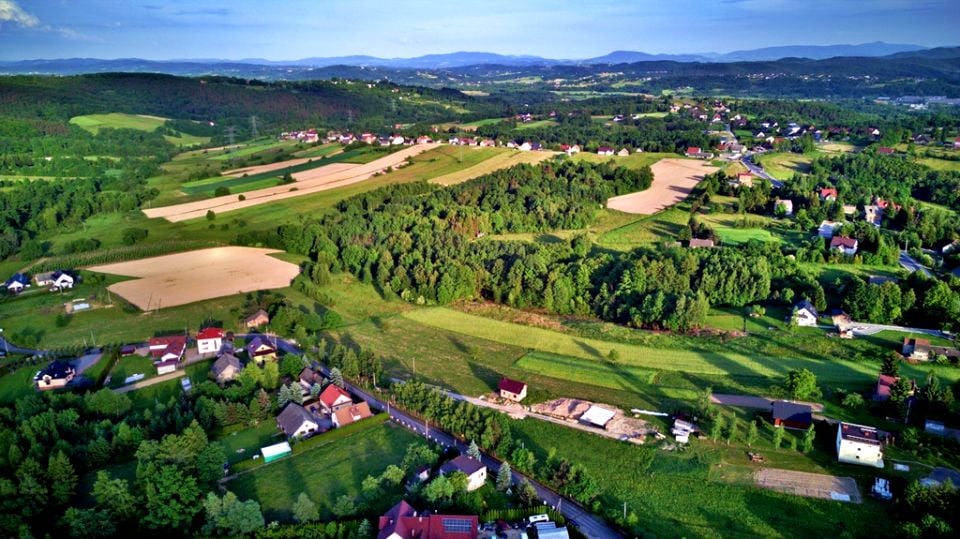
pixel 805 304
pixel 464 464
pixel 792 411
pixel 224 361
pixel 292 417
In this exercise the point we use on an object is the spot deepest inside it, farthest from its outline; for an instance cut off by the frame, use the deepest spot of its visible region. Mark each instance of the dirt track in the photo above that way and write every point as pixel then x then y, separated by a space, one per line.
pixel 182 278
pixel 673 180
pixel 309 181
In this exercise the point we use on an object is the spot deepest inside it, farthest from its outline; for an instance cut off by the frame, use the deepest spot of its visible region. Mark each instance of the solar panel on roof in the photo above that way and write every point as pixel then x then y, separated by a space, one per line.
pixel 457 525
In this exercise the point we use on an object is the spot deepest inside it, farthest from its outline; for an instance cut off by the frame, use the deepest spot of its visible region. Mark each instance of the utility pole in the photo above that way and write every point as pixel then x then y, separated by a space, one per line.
pixel 253 126
pixel 231 132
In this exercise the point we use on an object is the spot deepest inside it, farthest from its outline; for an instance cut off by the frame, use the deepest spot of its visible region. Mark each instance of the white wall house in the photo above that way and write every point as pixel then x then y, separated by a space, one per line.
pixel 859 444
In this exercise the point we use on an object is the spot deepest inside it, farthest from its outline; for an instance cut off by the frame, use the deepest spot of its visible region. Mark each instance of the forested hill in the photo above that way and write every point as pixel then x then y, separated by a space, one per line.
pixel 218 99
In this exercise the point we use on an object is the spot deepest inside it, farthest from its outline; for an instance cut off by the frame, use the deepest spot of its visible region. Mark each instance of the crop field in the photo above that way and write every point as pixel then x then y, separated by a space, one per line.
pixel 252 149
pixel 491 160
pixel 324 472
pixel 661 226
pixel 117 120
pixel 184 278
pixel 941 164
pixel 784 165
pixel 312 181
pixel 673 180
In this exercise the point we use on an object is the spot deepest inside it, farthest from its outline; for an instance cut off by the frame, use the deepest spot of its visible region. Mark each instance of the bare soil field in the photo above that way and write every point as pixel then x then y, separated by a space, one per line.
pixel 495 163
pixel 811 485
pixel 309 181
pixel 673 180
pixel 178 279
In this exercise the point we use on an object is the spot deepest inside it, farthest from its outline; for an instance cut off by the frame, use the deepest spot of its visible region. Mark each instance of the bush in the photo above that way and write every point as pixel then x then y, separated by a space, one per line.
pixel 80 245
pixel 133 235
pixel 222 191
pixel 241 198
pixel 211 215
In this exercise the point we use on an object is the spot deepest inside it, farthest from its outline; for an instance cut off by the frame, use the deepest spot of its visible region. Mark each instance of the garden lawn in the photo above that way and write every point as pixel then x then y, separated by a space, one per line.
pixel 19 383
pixel 242 444
pixel 324 472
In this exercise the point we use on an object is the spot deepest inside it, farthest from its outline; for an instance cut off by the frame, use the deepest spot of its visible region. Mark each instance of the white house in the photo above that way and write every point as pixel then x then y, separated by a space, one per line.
pixel 859 444
pixel 475 471
pixel 296 422
pixel 827 228
pixel 209 340
pixel 805 314
pixel 396 141
pixel 333 397
pixel 847 246
pixel 56 280
pixel 525 147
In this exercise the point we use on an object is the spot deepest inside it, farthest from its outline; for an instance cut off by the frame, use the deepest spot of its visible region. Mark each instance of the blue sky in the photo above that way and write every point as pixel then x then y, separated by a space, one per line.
pixel 281 29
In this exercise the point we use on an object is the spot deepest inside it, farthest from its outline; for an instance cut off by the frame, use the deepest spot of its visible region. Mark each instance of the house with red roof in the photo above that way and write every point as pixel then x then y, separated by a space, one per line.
pixel 828 193
pixel 847 245
pixel 884 383
pixel 956 143
pixel 167 352
pixel 884 204
pixel 886 151
pixel 604 150
pixel 209 340
pixel 403 522
pixel 346 415
pixel 333 397
pixel 512 390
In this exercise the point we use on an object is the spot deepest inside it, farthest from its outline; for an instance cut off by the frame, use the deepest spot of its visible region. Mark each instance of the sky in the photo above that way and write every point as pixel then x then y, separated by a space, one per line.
pixel 294 29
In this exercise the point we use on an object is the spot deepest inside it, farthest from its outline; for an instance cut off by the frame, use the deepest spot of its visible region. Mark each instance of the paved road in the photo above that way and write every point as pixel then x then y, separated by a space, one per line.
pixel 758 171
pixel 11 348
pixel 911 264
pixel 150 381
pixel 590 525
pixel 749 401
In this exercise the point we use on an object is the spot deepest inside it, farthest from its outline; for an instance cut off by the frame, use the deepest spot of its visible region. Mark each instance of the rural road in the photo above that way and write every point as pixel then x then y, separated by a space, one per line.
pixel 758 171
pixel 11 348
pixel 749 401
pixel 911 264
pixel 150 381
pixel 590 525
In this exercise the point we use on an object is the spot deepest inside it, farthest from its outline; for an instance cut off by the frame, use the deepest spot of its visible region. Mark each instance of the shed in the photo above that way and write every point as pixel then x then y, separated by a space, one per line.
pixel 597 416
pixel 792 415
pixel 276 451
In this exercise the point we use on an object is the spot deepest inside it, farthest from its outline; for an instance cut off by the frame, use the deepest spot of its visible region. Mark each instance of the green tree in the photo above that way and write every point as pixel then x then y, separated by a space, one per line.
pixel 336 377
pixel 504 477
pixel 221 191
pixel 802 385
pixel 114 497
pixel 853 401
pixel 807 442
pixel 364 530
pixel 62 478
pixel 716 428
pixel 777 436
pixel 344 507
pixel 210 464
pixel 473 451
pixel 107 403
pixel 230 516
pixel 271 376
pixel 290 366
pixel 439 492
pixel 87 523
pixel 526 494
pixel 172 499
pixel 891 365
pixel 732 429
pixel 211 215
pixel 751 435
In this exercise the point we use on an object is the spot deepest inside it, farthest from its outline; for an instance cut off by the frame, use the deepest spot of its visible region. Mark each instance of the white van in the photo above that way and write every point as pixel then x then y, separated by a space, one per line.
pixel 533 519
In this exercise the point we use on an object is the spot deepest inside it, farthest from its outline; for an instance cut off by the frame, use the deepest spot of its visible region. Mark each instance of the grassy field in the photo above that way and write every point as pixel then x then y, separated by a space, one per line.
pixel 784 165
pixel 477 162
pixel 633 161
pixel 679 495
pixel 251 149
pixel 535 125
pixel 940 164
pixel 243 443
pixel 129 365
pixel 659 227
pixel 325 472
pixel 116 120
pixel 18 383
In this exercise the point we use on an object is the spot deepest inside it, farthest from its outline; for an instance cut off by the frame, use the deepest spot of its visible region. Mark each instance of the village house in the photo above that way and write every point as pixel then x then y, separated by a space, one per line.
pixel 859 444
pixel 512 390
pixel 956 143
pixel 699 243
pixel 333 397
pixel 605 150
pixel 922 350
pixel 209 340
pixel 697 153
pixel 296 422
pixel 886 151
pixel 525 147
pixel 346 415
pixel 403 522
pixel 308 377
pixel 475 471
pixel 623 152
pixel 884 383
pixel 805 314
pixel 17 283
pixel 828 193
pixel 424 140
pixel 848 246
pixel 873 214
pixel 827 228
pixel 368 138
pixel 488 143
pixel 54 280
pixel 783 205
pixel 226 368
pixel 57 374
pixel 792 415
pixel 743 179
pixel 396 140
pixel 257 319
pixel 261 350
pixel 167 352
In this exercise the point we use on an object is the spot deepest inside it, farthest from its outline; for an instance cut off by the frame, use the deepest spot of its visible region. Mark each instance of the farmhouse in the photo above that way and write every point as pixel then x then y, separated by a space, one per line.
pixel 828 193
pixel 847 246
pixel 597 416
pixel 783 206
pixel 261 350
pixel 54 280
pixel 697 153
pixel 57 374
pixel 17 283
pixel 165 349
pixel 209 340
pixel 488 143
pixel 792 415
pixel 512 390
pixel 475 471
pixel 604 150
pixel 403 522
pixel 827 228
pixel 333 397
pixel 257 319
pixel 623 152
pixel 696 242
pixel 226 368
pixel 296 422
pixel 346 415
pixel 859 444
pixel 873 214
pixel 805 314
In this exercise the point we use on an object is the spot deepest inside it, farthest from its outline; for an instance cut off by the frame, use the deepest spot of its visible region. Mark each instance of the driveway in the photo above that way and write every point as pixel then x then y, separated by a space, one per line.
pixel 85 362
pixel 911 264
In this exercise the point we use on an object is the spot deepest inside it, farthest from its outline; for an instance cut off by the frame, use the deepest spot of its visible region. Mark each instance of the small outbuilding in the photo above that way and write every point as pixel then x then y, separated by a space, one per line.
pixel 257 319
pixel 512 390
pixel 597 416
pixel 276 451
pixel 792 415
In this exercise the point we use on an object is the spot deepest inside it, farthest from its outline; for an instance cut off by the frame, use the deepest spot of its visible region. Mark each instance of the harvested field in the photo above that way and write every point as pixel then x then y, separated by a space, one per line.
pixel 269 167
pixel 673 180
pixel 811 485
pixel 178 279
pixel 504 160
pixel 309 181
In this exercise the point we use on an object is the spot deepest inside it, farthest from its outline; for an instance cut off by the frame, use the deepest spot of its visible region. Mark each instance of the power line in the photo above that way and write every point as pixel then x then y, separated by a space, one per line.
pixel 253 126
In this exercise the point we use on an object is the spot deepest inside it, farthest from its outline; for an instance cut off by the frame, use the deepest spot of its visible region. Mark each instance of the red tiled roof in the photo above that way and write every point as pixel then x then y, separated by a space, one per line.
pixel 693 149
pixel 886 151
pixel 840 241
pixel 210 333
pixel 330 395
pixel 828 192
pixel 402 520
pixel 511 386
pixel 884 382
pixel 174 344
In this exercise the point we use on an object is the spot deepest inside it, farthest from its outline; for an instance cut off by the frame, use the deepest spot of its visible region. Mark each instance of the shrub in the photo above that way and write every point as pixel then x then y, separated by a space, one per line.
pixel 133 235
pixel 221 191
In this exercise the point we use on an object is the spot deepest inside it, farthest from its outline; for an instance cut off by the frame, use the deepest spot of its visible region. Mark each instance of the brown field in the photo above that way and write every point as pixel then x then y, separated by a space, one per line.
pixel 673 180
pixel 497 162
pixel 178 279
pixel 309 181
pixel 811 485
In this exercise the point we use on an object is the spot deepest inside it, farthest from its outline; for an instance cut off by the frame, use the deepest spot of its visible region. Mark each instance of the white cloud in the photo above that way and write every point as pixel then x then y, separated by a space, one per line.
pixel 11 12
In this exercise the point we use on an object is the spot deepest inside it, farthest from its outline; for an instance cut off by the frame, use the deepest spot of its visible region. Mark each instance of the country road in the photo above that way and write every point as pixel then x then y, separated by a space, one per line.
pixel 150 381
pixel 757 170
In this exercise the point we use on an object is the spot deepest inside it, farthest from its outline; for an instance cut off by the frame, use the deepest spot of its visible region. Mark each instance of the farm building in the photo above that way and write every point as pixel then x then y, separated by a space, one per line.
pixel 792 415
pixel 334 397
pixel 695 243
pixel 605 150
pixel 54 280
pixel 257 319
pixel 346 415
pixel 209 340
pixel 296 422
pixel 276 451
pixel 859 444
pixel 403 522
pixel 475 471
pixel 805 314
pixel 57 374
pixel 597 416
pixel 512 390
pixel 847 246
pixel 17 283
pixel 226 368
pixel 697 153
